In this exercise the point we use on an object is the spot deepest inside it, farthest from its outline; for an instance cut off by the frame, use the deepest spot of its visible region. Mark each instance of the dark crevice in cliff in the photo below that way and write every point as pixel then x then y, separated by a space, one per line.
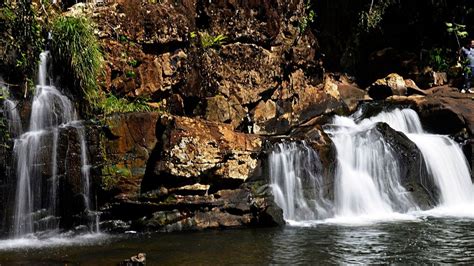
pixel 203 21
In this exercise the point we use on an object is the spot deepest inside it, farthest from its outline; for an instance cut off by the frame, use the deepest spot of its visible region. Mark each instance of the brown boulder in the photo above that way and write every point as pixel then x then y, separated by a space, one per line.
pixel 127 143
pixel 194 150
pixel 392 84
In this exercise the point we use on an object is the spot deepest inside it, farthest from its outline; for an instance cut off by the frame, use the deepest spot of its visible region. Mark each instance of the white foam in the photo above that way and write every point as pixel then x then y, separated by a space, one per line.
pixel 40 243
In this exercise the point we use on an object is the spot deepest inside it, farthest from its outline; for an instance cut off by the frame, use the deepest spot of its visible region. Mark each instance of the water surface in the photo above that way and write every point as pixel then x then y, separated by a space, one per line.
pixel 425 240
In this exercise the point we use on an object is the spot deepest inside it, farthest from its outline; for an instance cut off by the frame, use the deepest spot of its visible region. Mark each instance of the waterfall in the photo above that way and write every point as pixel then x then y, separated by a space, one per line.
pixel 445 160
pixel 36 151
pixel 10 109
pixel 297 183
pixel 13 117
pixel 368 177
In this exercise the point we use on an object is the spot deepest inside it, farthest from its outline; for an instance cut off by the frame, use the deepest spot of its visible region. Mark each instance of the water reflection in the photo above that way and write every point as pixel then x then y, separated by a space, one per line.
pixel 428 240
pixel 433 240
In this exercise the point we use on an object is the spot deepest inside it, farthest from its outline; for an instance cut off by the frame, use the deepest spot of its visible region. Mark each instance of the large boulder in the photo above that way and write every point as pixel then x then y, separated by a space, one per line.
pixel 199 175
pixel 193 151
pixel 391 85
pixel 127 141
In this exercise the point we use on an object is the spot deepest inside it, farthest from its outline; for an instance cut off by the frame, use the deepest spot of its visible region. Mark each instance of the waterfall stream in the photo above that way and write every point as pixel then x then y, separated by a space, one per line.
pixel 368 178
pixel 297 182
pixel 36 152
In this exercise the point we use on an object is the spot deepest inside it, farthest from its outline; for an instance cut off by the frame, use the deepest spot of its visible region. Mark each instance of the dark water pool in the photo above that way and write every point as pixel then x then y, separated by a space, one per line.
pixel 424 241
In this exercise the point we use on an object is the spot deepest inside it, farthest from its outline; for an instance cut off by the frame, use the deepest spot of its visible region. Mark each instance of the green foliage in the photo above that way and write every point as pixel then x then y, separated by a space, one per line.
pixel 4 93
pixel 439 59
pixel 111 104
pixel 308 18
pixel 133 63
pixel 458 30
pixel 111 175
pixel 21 40
pixel 209 41
pixel 130 74
pixel 370 20
pixel 77 49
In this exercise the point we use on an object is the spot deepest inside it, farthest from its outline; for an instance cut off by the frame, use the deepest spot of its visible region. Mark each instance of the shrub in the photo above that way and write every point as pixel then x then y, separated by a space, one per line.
pixel 75 47
pixel 208 41
pixel 112 104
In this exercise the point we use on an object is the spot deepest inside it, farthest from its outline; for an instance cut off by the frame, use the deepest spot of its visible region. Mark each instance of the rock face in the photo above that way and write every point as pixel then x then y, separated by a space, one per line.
pixel 127 141
pixel 264 77
pixel 265 74
pixel 198 175
pixel 191 148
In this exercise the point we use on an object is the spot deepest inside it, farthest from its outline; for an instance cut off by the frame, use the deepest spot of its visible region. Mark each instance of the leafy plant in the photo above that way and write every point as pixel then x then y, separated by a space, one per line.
pixel 112 104
pixel 308 18
pixel 438 59
pixel 111 175
pixel 370 20
pixel 133 63
pixel 76 48
pixel 208 41
pixel 130 74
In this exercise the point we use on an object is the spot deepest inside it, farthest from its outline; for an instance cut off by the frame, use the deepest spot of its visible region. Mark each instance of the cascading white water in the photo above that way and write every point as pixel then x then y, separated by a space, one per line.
pixel 13 117
pixel 367 182
pixel 10 109
pixel 444 158
pixel 296 180
pixel 50 111
pixel 368 174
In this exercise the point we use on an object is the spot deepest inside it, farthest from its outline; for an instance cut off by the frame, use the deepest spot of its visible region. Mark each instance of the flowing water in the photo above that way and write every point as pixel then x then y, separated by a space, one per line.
pixel 372 218
pixel 367 182
pixel 297 182
pixel 36 151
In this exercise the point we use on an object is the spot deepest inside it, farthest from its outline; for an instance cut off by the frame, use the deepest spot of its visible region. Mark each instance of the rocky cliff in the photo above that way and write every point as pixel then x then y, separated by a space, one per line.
pixel 224 80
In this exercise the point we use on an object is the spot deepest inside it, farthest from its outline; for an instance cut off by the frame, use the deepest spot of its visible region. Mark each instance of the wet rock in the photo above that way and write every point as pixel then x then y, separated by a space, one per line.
pixel 414 179
pixel 114 226
pixel 299 101
pixel 412 88
pixel 348 90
